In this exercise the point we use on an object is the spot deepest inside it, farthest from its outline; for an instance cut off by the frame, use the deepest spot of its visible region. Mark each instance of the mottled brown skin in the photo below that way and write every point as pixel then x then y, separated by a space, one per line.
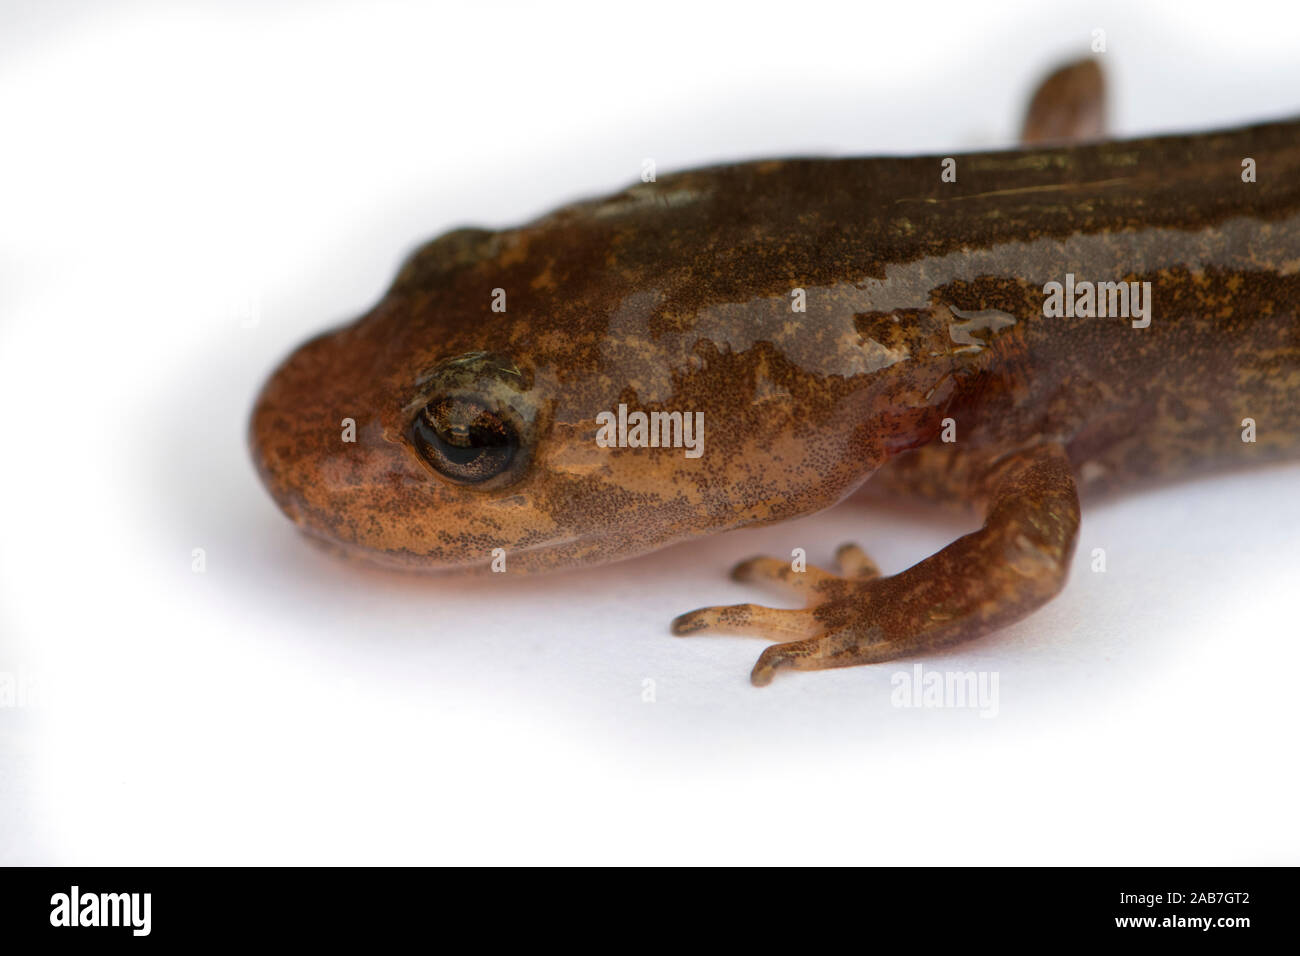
pixel 676 295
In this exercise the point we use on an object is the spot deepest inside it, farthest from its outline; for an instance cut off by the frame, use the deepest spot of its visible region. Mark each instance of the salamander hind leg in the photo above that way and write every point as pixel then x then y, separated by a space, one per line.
pixel 1068 107
pixel 983 581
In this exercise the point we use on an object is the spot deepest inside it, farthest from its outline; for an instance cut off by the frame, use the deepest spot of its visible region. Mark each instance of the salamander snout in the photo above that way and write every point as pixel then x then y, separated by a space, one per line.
pixel 321 446
pixel 427 463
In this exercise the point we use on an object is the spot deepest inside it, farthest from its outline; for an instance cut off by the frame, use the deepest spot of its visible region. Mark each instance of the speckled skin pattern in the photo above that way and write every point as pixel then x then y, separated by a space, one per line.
pixel 676 295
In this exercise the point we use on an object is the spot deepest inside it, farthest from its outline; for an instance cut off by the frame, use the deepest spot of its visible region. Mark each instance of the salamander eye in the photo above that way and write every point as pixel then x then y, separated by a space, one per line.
pixel 465 439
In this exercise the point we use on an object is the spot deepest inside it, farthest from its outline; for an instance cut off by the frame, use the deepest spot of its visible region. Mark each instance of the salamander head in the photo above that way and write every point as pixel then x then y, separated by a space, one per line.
pixel 471 409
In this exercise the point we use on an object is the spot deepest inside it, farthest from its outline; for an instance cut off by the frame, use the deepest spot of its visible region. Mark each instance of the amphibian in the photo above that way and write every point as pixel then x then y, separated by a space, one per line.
pixel 821 319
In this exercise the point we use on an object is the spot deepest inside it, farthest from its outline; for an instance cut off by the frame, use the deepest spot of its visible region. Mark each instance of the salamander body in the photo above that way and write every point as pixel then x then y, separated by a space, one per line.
pixel 997 329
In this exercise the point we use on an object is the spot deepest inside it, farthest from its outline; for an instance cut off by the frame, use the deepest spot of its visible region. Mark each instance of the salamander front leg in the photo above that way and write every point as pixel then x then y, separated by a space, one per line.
pixel 983 581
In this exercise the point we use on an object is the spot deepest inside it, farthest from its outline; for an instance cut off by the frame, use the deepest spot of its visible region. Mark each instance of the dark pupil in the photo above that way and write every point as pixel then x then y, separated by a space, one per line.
pixel 464 440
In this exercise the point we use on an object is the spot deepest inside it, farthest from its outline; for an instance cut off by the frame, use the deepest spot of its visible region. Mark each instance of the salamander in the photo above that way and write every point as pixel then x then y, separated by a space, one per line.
pixel 999 329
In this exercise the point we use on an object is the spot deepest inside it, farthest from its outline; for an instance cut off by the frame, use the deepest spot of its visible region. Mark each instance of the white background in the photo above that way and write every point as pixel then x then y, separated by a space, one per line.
pixel 170 172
